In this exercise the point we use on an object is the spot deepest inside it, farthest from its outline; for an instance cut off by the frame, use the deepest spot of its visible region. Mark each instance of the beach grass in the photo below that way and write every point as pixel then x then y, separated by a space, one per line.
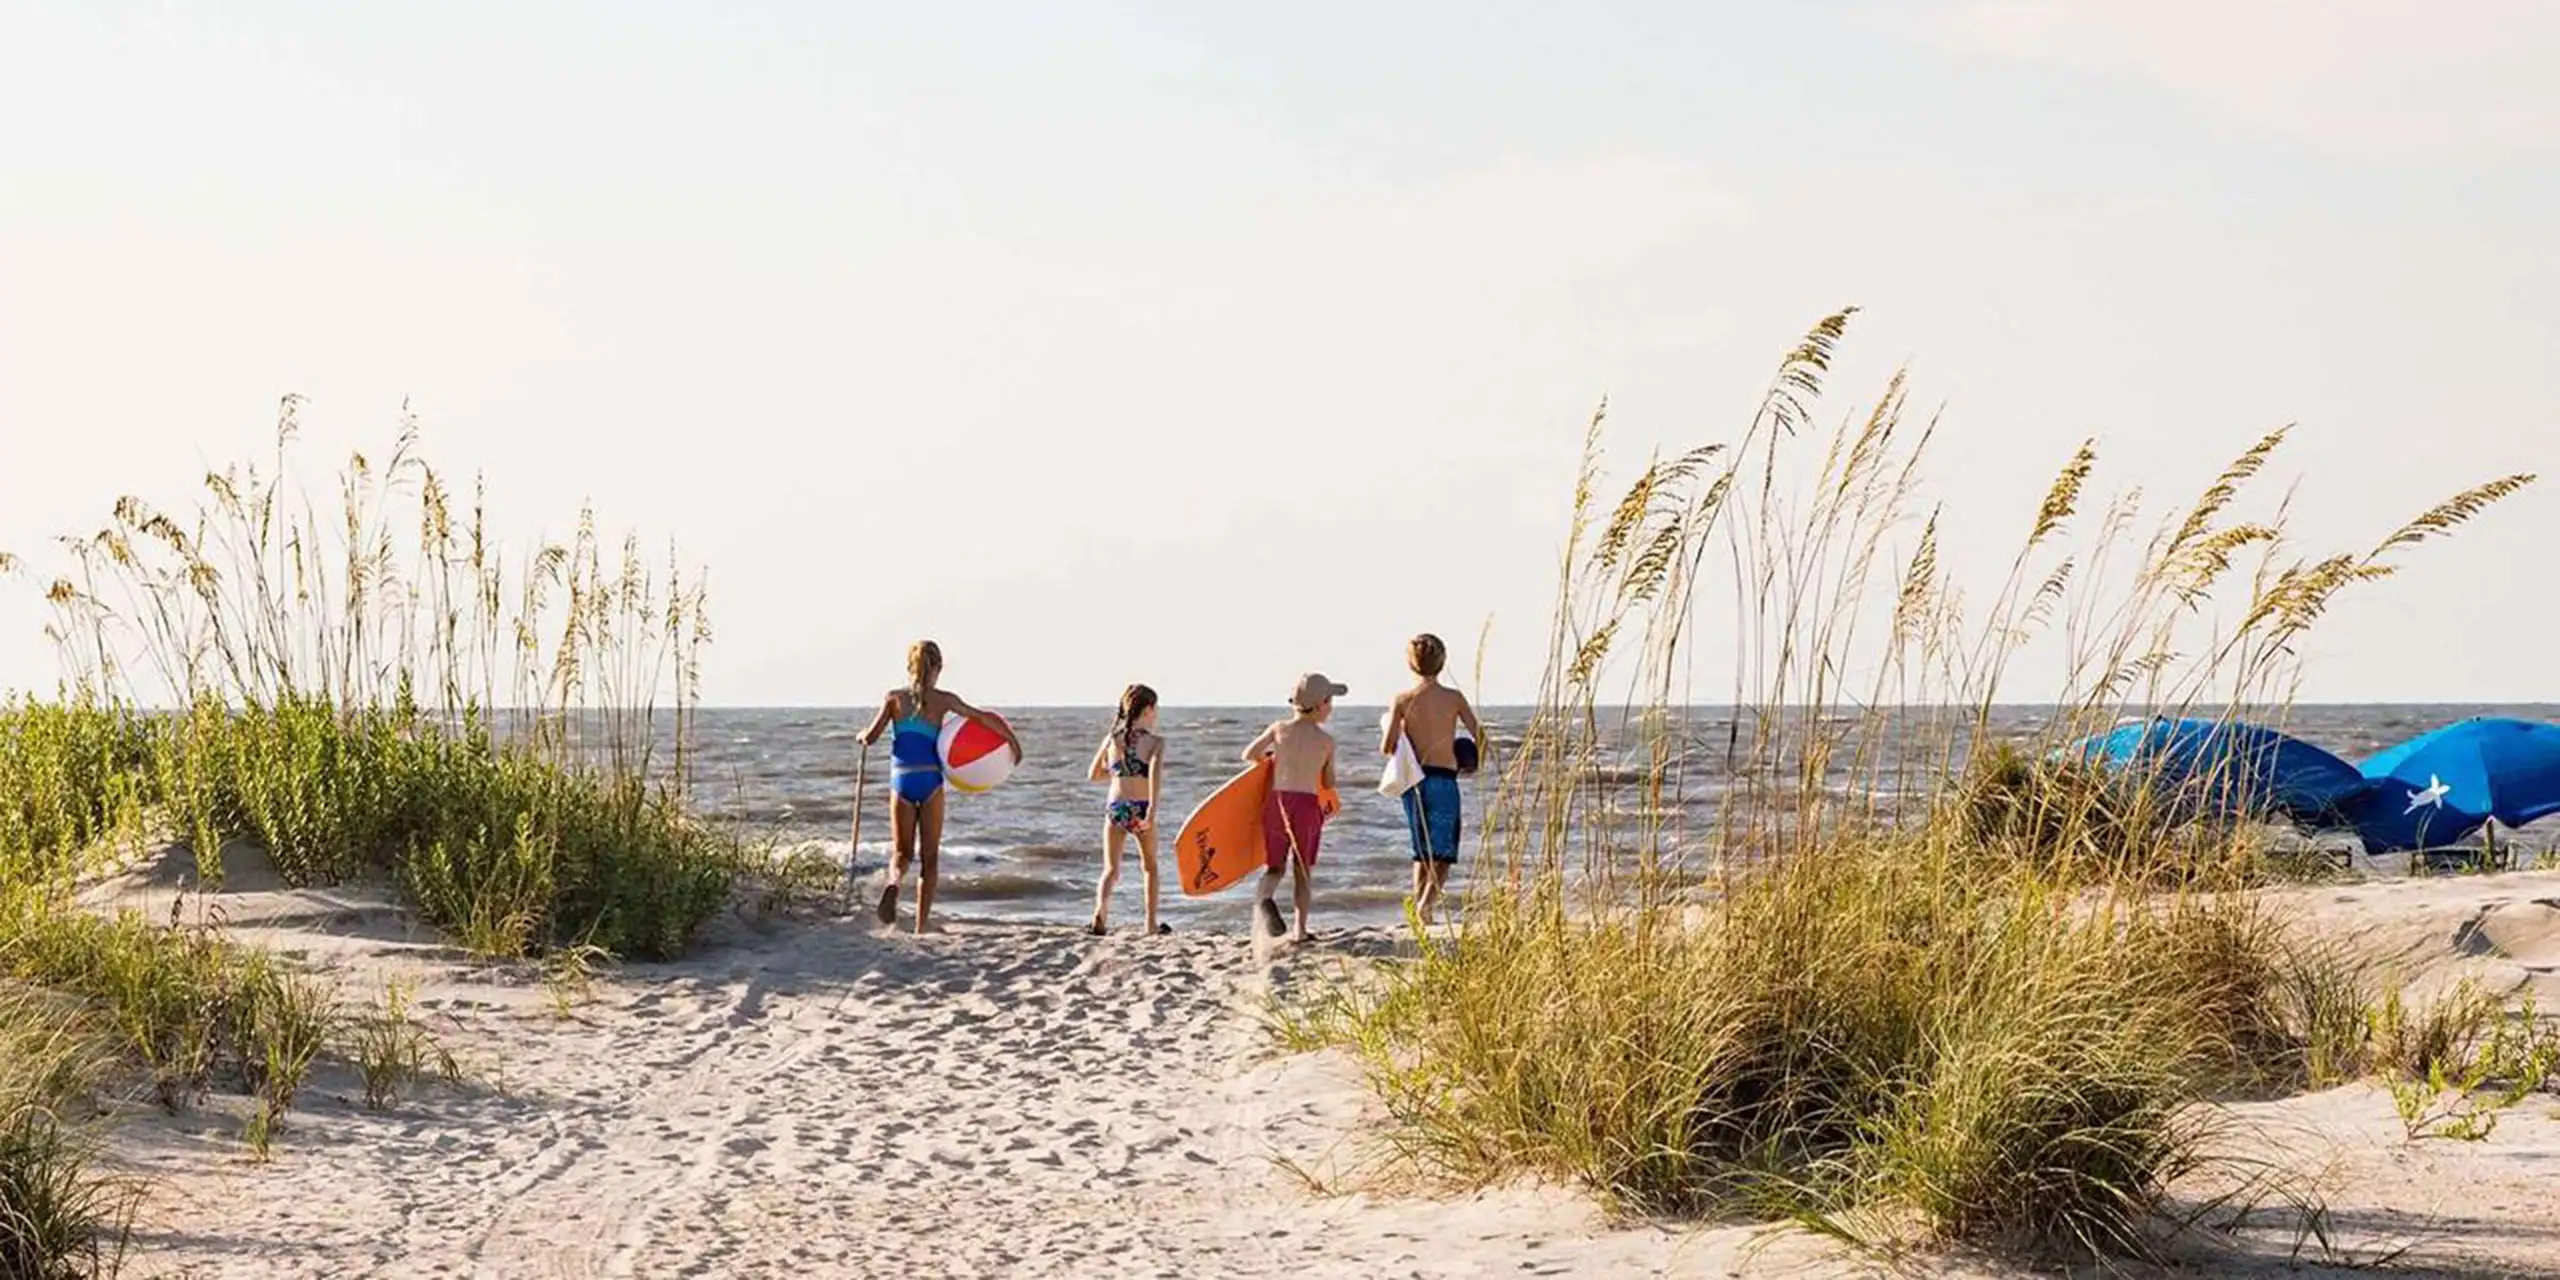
pixel 1905 982
pixel 372 691
pixel 357 692
pixel 59 1216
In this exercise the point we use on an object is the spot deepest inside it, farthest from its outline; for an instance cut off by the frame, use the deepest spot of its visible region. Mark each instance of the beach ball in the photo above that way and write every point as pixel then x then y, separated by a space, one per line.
pixel 974 757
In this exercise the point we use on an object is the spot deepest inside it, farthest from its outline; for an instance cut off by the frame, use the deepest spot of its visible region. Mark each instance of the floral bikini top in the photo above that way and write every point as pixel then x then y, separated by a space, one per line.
pixel 1126 763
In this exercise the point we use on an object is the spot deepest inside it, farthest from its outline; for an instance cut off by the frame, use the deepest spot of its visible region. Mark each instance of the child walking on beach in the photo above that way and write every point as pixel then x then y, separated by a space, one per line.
pixel 1428 715
pixel 1301 781
pixel 1131 759
pixel 913 717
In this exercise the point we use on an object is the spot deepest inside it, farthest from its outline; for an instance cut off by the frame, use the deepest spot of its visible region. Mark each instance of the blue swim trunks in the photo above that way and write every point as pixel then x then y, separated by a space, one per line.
pixel 1431 815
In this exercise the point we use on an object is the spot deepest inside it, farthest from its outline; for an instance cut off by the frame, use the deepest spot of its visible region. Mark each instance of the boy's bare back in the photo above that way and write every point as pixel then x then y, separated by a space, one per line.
pixel 1302 754
pixel 1431 714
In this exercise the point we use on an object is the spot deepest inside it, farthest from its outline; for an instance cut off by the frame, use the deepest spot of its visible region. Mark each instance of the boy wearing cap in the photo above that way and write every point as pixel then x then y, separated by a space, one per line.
pixel 1293 817
pixel 1428 715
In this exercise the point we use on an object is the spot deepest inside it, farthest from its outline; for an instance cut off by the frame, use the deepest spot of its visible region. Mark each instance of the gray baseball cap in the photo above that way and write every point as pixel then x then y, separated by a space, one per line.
pixel 1313 689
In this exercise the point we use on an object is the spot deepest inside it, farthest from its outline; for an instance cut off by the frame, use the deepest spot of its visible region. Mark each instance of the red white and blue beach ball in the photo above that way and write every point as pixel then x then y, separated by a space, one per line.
pixel 975 758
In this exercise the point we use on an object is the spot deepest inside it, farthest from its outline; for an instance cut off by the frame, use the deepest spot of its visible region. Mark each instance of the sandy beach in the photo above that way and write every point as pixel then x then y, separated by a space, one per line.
pixel 819 1097
pixel 1928 515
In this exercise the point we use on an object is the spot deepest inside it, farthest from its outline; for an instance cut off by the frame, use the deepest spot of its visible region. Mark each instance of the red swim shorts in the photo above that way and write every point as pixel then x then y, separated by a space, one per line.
pixel 1290 814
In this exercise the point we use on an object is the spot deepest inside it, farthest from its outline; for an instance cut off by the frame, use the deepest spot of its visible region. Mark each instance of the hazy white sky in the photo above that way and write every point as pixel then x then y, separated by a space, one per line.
pixel 1202 344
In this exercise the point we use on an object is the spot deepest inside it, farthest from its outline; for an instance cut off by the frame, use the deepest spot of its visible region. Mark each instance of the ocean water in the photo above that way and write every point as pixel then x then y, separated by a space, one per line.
pixel 1032 848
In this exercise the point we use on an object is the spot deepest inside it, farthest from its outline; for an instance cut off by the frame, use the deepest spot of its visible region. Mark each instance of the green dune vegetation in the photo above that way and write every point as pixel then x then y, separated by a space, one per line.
pixel 1969 996
pixel 358 693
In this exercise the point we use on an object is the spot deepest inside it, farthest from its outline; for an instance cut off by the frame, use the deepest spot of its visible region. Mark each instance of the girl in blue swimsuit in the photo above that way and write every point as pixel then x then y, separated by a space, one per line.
pixel 1131 759
pixel 913 718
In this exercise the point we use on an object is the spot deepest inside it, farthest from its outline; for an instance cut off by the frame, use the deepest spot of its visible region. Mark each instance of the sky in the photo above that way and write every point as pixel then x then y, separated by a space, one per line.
pixel 1203 344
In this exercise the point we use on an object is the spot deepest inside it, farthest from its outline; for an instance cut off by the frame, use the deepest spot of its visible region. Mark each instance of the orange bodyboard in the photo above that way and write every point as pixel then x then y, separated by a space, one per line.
pixel 1221 842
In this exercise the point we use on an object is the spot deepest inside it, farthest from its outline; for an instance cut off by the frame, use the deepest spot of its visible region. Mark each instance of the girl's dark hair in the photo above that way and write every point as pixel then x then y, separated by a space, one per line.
pixel 1135 701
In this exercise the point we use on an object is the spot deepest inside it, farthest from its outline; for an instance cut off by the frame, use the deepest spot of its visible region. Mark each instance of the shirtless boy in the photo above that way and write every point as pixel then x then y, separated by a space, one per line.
pixel 1429 714
pixel 1293 818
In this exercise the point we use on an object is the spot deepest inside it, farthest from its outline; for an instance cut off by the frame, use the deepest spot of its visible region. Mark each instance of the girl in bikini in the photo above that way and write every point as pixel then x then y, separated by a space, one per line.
pixel 913 718
pixel 1131 759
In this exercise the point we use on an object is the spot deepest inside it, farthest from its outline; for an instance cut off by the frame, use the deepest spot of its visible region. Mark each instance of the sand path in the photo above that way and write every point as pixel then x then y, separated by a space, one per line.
pixel 824 1098
pixel 821 1098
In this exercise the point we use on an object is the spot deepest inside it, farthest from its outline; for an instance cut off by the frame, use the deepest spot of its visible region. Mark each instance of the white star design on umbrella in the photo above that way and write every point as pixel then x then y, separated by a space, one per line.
pixel 2431 798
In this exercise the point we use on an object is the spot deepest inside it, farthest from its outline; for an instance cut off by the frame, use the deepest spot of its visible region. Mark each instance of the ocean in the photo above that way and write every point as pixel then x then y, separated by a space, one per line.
pixel 1032 848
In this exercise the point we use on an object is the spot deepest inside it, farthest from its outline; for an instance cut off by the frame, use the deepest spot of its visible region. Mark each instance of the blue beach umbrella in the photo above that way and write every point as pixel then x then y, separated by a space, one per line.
pixel 2438 787
pixel 2231 767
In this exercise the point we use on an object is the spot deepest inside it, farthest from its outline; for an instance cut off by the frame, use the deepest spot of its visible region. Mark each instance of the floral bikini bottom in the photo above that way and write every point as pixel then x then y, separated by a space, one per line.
pixel 1128 815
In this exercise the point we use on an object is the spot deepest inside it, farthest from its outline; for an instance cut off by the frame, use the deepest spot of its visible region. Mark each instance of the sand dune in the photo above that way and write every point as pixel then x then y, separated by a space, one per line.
pixel 820 1098
pixel 2501 931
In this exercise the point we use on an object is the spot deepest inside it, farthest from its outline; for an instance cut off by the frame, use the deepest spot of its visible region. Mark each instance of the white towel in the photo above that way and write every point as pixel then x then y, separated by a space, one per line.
pixel 1404 770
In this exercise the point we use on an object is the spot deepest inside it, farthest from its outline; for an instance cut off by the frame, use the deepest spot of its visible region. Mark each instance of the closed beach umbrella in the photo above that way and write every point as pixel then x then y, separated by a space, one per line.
pixel 2438 787
pixel 2231 767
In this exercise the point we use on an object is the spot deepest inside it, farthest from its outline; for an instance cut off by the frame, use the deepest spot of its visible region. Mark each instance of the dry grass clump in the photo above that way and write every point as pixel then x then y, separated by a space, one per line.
pixel 59 1218
pixel 2083 823
pixel 1884 978
pixel 1891 1026
pixel 2065 811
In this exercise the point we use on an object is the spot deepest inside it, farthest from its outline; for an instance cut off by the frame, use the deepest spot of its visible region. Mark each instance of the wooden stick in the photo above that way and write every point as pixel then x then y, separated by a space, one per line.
pixel 861 777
